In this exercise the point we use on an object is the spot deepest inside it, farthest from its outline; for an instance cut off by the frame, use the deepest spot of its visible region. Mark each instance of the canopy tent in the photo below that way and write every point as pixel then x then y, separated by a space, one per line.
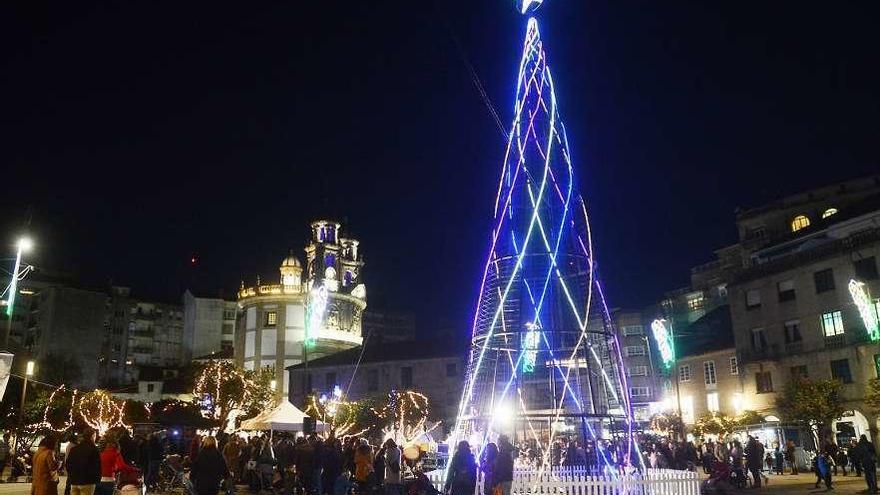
pixel 284 417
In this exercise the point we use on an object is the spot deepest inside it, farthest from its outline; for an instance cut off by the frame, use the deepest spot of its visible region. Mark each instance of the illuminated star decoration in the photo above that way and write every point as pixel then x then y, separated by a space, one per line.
pixel 868 309
pixel 664 342
pixel 540 278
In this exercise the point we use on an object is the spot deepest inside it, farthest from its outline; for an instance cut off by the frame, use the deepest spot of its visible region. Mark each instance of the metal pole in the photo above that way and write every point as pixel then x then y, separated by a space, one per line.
pixel 20 417
pixel 677 378
pixel 10 300
pixel 308 381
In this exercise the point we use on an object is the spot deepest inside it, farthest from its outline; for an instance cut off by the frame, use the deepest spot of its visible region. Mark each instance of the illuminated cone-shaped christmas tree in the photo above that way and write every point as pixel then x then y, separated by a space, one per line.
pixel 544 360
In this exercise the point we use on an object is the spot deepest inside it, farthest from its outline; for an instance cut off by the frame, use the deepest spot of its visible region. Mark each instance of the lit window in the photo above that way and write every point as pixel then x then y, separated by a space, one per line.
pixel 832 323
pixel 799 222
pixel 828 212
pixel 712 402
pixel 687 409
pixel 684 373
pixel 734 366
pixel 709 372
pixel 695 302
pixel 271 318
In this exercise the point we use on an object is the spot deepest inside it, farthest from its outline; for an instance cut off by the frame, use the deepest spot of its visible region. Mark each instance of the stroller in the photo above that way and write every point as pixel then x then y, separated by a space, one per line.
pixel 172 474
pixel 720 480
pixel 130 483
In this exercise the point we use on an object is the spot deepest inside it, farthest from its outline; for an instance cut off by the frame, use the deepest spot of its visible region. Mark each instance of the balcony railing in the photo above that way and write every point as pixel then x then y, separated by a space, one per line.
pixel 794 347
pixel 835 341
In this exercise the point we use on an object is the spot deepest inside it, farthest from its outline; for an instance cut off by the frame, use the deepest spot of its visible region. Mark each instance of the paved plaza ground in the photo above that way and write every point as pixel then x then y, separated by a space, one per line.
pixel 779 485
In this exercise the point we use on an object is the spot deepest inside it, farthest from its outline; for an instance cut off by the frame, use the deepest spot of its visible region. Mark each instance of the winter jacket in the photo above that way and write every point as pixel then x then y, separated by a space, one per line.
pixel 392 465
pixel 502 470
pixel 84 464
pixel 112 463
pixel 44 469
pixel 208 470
pixel 462 473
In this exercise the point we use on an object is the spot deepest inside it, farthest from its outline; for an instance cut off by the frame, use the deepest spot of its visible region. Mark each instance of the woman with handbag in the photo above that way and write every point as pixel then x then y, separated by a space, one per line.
pixel 45 474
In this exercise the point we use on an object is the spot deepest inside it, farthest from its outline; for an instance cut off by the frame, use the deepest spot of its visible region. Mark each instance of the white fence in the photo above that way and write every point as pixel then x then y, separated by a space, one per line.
pixel 581 482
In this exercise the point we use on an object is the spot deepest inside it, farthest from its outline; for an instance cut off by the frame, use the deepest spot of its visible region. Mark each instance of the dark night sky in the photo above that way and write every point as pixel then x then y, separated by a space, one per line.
pixel 137 133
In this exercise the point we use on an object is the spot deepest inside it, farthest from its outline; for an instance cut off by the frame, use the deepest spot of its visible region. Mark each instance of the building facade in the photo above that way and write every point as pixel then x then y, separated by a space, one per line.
pixel 68 322
pixel 389 326
pixel 208 325
pixel 793 311
pixel 307 315
pixel 708 382
pixel 638 357
pixel 435 369
pixel 138 333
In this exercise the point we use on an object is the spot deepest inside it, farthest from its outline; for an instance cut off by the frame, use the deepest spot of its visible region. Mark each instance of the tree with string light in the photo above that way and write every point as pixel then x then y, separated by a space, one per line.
pixel 101 411
pixel 227 393
pixel 403 415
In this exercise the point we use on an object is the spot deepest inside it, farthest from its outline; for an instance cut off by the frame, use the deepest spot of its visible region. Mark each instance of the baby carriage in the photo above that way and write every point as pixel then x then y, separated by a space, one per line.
pixel 172 474
pixel 130 483
pixel 719 481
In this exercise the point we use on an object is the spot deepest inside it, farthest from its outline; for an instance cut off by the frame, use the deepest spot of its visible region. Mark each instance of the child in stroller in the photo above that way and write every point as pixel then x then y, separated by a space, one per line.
pixel 130 482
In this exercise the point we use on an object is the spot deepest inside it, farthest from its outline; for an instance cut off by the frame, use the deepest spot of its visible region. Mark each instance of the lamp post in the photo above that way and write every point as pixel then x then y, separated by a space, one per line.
pixel 28 372
pixel 664 334
pixel 23 245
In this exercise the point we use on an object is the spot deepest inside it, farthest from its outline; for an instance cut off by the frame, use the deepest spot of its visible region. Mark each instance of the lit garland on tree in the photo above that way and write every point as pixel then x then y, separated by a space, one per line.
pixel 404 416
pixel 340 415
pixel 226 392
pixel 47 423
pixel 101 411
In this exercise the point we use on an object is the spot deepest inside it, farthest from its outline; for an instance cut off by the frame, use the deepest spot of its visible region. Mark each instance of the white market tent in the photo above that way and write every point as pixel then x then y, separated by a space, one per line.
pixel 284 417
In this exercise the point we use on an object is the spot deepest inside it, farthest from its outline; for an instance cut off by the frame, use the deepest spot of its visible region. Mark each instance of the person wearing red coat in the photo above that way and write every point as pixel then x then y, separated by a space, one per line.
pixel 112 463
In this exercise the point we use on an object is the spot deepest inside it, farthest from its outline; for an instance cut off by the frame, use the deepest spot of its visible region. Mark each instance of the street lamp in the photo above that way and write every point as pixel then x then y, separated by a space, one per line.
pixel 23 245
pixel 28 372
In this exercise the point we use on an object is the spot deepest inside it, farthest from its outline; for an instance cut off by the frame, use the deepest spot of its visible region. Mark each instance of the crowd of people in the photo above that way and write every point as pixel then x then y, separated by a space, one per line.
pixel 305 465
pixel 860 456
pixel 311 465
pixel 751 463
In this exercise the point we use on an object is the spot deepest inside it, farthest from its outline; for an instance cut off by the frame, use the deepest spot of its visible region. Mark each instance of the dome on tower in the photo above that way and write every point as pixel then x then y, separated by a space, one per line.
pixel 291 260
